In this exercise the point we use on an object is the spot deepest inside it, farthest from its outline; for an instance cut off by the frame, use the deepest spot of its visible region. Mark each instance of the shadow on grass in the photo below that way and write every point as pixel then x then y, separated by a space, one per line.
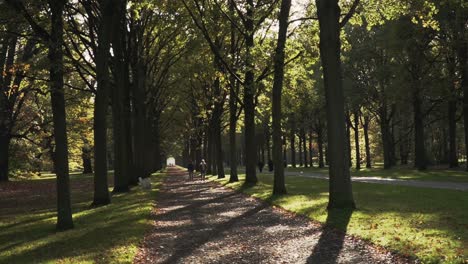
pixel 332 238
pixel 107 234
pixel 81 244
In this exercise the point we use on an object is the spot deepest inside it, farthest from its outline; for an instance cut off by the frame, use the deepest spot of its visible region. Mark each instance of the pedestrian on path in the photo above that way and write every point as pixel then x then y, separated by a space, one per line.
pixel 190 169
pixel 202 169
pixel 260 166
pixel 270 165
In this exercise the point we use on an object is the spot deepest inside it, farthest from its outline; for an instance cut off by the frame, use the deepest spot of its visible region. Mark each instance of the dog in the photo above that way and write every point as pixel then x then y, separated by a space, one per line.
pixel 145 183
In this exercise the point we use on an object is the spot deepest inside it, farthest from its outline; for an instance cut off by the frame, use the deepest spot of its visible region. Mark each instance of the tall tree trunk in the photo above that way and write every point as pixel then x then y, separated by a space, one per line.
pixel 293 146
pixel 341 195
pixel 462 55
pixel 279 186
pixel 285 154
pixel 233 88
pixel 6 67
pixel 356 140
pixel 233 177
pixel 300 150
pixel 127 121
pixel 155 162
pixel 420 149
pixel 268 143
pixel 304 147
pixel 387 137
pixel 348 139
pixel 4 158
pixel 321 157
pixel 217 114
pixel 249 94
pixel 205 147
pixel 86 157
pixel 365 126
pixel 140 134
pixel 101 103
pixel 311 150
pixel 64 216
pixel 452 130
pixel 215 160
pixel 121 170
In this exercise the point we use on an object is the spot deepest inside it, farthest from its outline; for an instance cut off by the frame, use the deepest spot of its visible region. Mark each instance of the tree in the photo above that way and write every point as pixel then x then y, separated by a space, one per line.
pixel 341 195
pixel 101 190
pixel 54 40
pixel 279 186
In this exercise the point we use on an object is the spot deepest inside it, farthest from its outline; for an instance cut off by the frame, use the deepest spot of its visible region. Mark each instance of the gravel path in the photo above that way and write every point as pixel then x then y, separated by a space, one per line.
pixel 202 222
pixel 421 184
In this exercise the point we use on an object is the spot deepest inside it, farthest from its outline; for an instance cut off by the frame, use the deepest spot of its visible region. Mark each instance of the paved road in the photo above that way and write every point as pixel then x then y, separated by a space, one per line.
pixel 203 222
pixel 423 184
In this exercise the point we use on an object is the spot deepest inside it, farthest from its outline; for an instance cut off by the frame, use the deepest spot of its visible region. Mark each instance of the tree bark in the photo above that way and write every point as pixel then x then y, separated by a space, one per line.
pixel 387 137
pixel 121 127
pixel 356 140
pixel 101 103
pixel 365 126
pixel 249 94
pixel 64 212
pixel 279 186
pixel 304 147
pixel 462 55
pixel 285 154
pixel 311 150
pixel 139 116
pixel 321 160
pixel 268 143
pixel 4 156
pixel 348 139
pixel 452 130
pixel 341 195
pixel 293 147
pixel 300 150
pixel 420 149
pixel 6 66
pixel 217 114
pixel 86 157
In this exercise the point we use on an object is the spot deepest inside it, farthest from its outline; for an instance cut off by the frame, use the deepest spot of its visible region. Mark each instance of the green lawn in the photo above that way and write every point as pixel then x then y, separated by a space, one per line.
pixel 404 173
pixel 427 223
pixel 108 234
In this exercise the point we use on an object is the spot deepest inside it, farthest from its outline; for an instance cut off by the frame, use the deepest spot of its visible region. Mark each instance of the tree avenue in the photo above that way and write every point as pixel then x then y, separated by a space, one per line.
pixel 114 88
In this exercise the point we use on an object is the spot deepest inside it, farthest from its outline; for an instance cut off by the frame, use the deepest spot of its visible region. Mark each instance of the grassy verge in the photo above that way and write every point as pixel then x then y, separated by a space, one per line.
pixel 108 234
pixel 404 173
pixel 427 223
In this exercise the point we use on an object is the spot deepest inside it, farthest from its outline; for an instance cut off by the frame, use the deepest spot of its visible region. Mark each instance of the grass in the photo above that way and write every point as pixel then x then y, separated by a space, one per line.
pixel 429 224
pixel 404 173
pixel 107 234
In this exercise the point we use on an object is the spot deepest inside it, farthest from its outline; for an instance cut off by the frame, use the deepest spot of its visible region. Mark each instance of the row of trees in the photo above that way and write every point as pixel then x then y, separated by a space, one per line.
pixel 402 69
pixel 178 77
pixel 104 55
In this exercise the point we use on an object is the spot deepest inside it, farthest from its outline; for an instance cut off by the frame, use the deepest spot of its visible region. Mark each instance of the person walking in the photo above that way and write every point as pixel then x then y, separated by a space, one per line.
pixel 270 165
pixel 260 166
pixel 190 169
pixel 203 169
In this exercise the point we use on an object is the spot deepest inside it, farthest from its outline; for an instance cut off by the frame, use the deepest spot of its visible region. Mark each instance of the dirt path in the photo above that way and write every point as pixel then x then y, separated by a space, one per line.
pixel 201 222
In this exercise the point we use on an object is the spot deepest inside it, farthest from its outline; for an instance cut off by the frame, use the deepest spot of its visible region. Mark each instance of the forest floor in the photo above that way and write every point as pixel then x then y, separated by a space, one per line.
pixel 204 222
pixel 106 234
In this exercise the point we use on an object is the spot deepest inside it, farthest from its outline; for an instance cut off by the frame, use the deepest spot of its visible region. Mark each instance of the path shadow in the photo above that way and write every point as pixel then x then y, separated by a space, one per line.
pixel 216 232
pixel 330 244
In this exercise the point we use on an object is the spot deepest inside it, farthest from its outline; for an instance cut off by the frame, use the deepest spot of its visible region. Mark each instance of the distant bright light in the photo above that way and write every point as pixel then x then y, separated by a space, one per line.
pixel 170 161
